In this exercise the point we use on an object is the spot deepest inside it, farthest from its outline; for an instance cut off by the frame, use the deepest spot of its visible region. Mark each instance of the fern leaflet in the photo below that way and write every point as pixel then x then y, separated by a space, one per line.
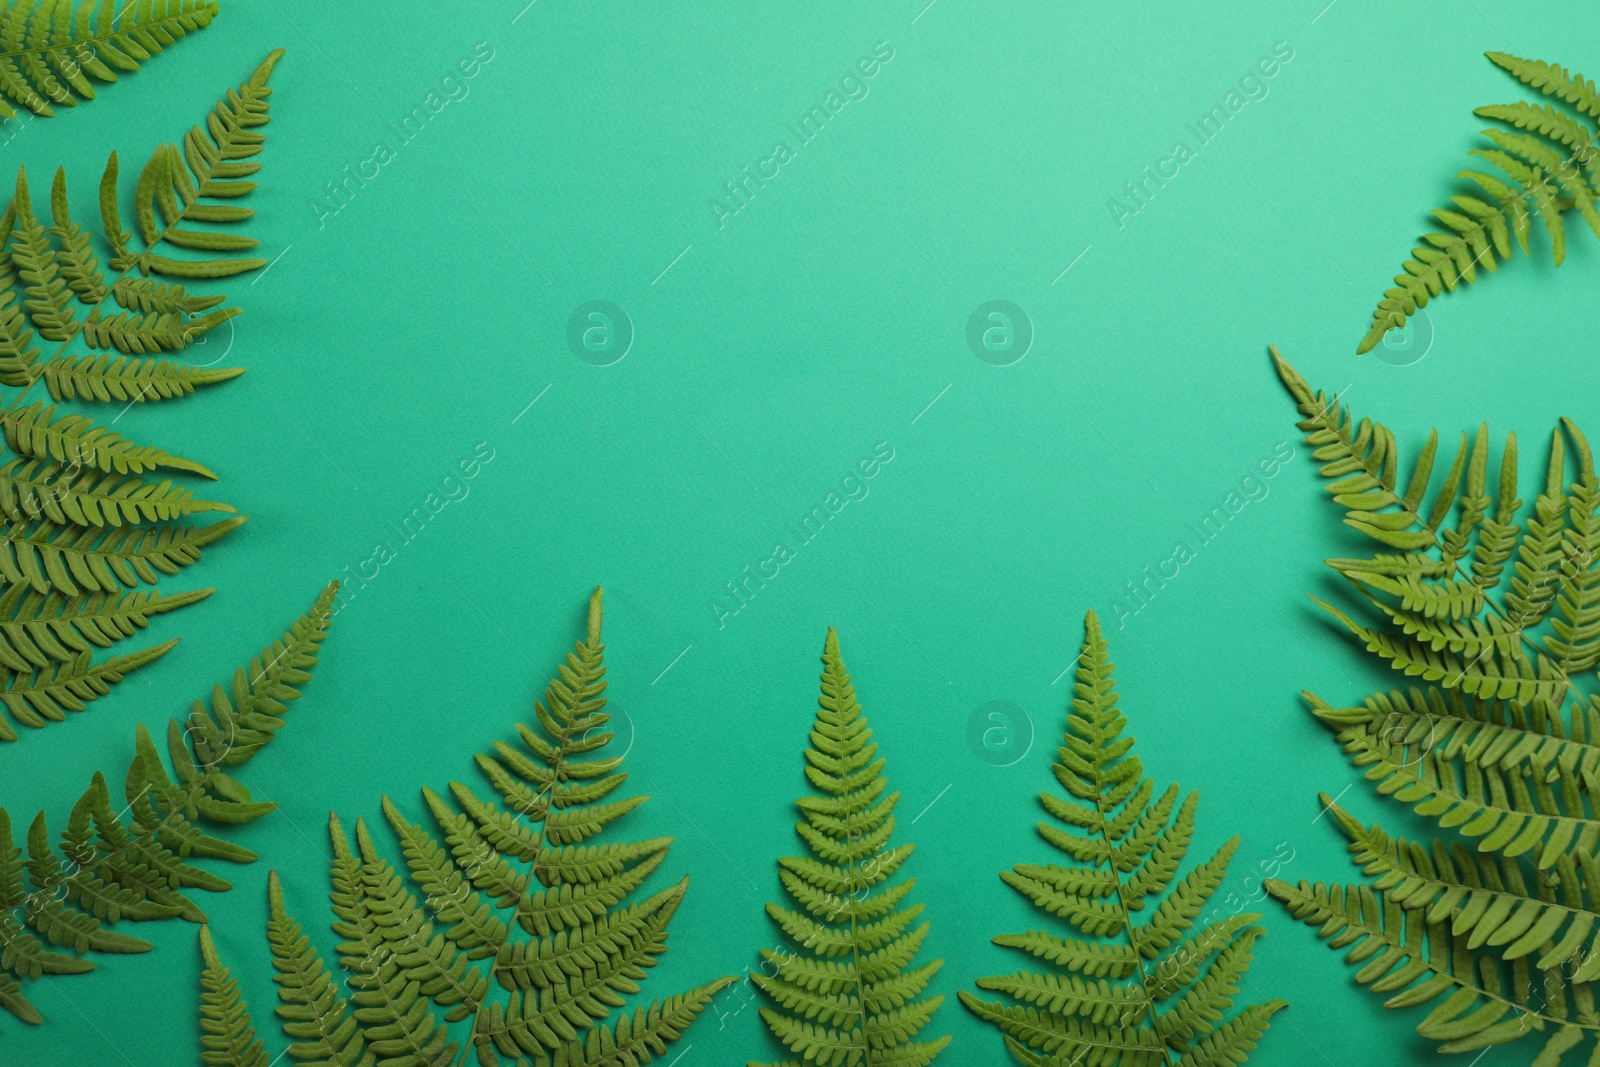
pixel 1170 987
pixel 79 517
pixel 49 52
pixel 228 1036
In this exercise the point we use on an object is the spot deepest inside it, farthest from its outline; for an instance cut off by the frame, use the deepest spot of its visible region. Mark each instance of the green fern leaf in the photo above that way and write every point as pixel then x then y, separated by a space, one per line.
pixel 35 697
pixel 51 51
pixel 514 920
pixel 30 489
pixel 228 1037
pixel 844 994
pixel 1495 923
pixel 133 864
pixel 1552 166
pixel 77 520
pixel 1171 988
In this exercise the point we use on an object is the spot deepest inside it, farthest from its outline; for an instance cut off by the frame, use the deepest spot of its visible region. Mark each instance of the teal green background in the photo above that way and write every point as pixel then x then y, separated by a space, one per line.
pixel 392 337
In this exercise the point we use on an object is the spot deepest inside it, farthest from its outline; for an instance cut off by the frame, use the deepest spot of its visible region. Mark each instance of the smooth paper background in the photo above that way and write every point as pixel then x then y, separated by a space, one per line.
pixel 773 350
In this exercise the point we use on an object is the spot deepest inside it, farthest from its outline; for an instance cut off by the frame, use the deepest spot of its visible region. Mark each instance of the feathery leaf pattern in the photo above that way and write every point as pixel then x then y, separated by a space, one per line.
pixel 130 859
pixel 1551 166
pixel 52 54
pixel 847 992
pixel 1140 993
pixel 1497 618
pixel 228 1037
pixel 510 917
pixel 81 516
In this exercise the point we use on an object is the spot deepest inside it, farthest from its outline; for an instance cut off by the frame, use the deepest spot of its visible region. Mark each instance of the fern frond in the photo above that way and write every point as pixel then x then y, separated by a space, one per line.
pixel 129 860
pixel 227 1034
pixel 1496 921
pixel 845 991
pixel 1420 961
pixel 1170 990
pixel 76 518
pixel 515 920
pixel 1552 166
pixel 52 52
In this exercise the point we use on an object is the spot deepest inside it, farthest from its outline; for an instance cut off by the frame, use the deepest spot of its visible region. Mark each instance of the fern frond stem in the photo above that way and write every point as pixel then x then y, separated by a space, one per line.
pixel 1127 924
pixel 11 410
pixel 855 959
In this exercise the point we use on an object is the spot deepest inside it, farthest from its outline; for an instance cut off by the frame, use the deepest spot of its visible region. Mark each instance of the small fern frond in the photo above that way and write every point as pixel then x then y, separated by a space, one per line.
pixel 1553 165
pixel 129 860
pixel 853 927
pixel 514 920
pixel 227 1034
pixel 1171 988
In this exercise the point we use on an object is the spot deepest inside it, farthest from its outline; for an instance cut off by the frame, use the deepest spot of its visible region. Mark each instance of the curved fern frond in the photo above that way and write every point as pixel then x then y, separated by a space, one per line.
pixel 1553 166
pixel 1171 986
pixel 846 991
pixel 130 859
pixel 53 54
pixel 514 919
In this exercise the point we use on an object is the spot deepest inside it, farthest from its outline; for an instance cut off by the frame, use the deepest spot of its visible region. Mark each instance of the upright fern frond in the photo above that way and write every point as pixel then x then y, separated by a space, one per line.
pixel 78 517
pixel 1497 618
pixel 129 860
pixel 1553 167
pixel 1170 987
pixel 227 1034
pixel 846 993
pixel 510 918
pixel 54 55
